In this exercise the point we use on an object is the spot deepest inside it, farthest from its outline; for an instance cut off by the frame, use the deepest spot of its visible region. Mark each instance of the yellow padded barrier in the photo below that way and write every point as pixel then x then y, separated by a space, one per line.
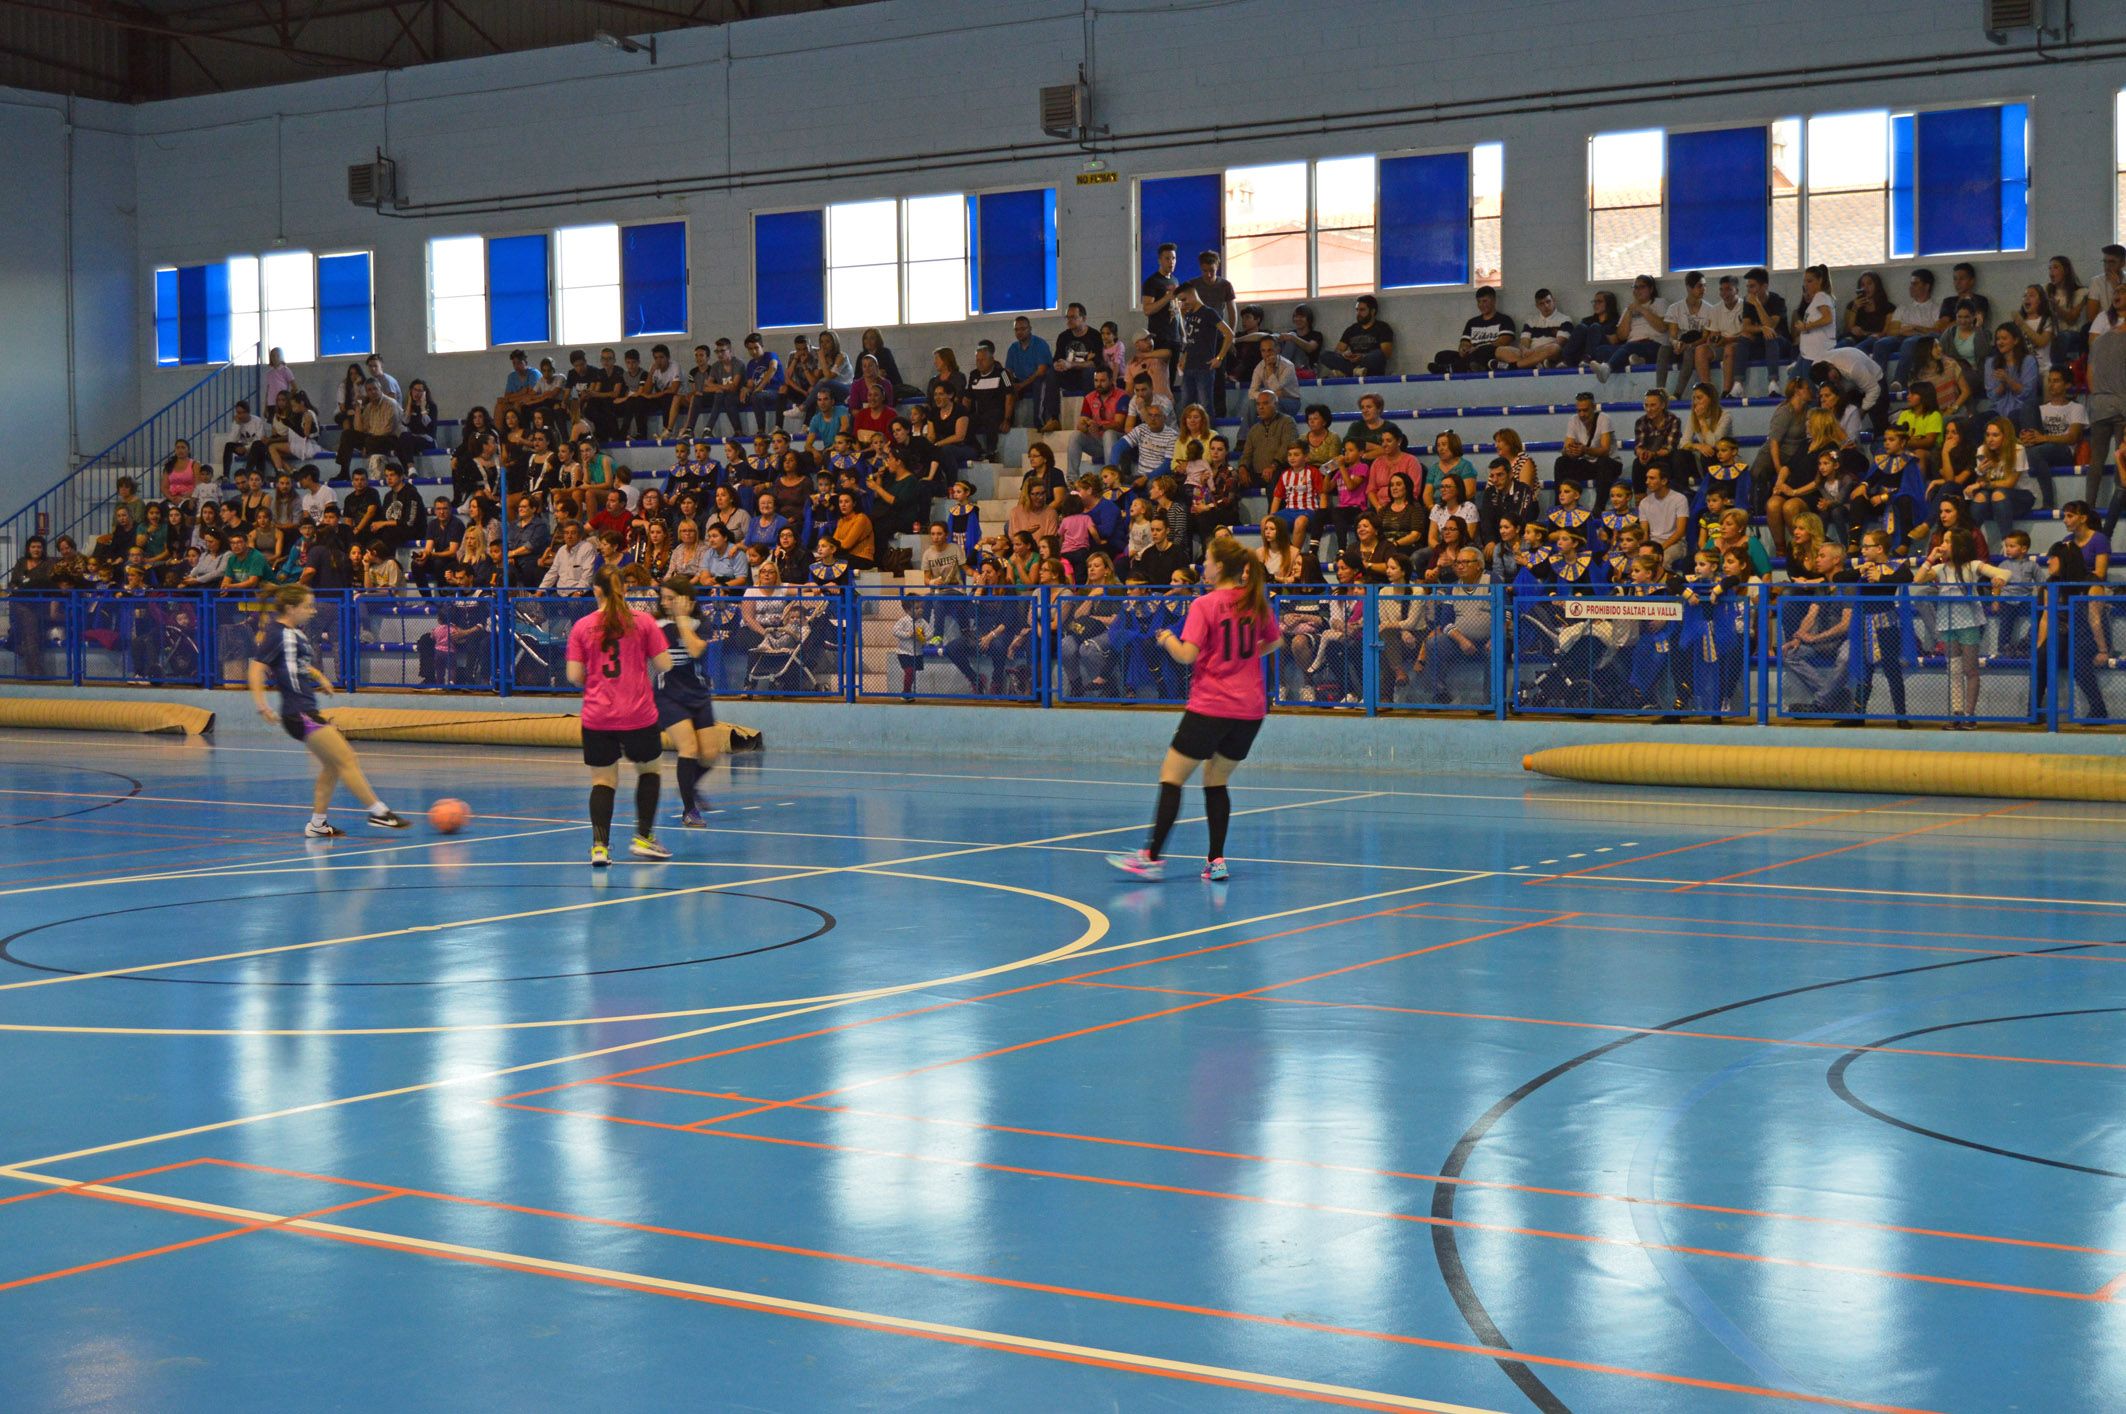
pixel 2006 774
pixel 92 715
pixel 487 728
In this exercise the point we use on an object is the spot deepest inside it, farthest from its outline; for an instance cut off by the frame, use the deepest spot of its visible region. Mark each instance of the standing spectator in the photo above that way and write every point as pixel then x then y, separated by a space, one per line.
pixel 1486 335
pixel 761 386
pixel 1815 325
pixel 1161 291
pixel 1367 344
pixel 1216 292
pixel 988 398
pixel 1642 332
pixel 1030 401
pixel 1205 341
pixel 1070 377
pixel 2107 384
pixel 1723 333
pixel 280 378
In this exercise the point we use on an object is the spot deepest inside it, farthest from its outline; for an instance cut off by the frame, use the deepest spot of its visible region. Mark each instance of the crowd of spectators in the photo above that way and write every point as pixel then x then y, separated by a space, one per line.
pixel 1927 424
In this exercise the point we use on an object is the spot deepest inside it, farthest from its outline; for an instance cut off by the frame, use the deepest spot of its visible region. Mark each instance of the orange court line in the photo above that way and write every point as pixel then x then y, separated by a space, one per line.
pixel 1863 844
pixel 960 1002
pixel 1333 1209
pixel 1326 1167
pixel 168 1247
pixel 2110 1290
pixel 1459 908
pixel 1633 1030
pixel 1148 1016
pixel 1292 1323
pixel 1726 839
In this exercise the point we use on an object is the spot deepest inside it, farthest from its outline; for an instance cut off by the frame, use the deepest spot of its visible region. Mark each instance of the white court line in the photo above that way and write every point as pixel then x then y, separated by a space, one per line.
pixel 841 1315
pixel 805 872
pixel 625 1046
pixel 1556 792
pixel 1834 889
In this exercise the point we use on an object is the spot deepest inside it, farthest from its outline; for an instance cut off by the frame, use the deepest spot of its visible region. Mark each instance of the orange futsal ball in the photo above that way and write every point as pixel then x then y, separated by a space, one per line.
pixel 448 816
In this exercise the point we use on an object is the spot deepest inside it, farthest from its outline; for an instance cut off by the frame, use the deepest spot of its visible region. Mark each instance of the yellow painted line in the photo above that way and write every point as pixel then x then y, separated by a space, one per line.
pixel 722 1295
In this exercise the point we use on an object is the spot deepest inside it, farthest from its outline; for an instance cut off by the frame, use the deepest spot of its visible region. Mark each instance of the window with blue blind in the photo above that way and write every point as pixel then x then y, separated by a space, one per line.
pixel 520 305
pixel 789 268
pixel 344 304
pixel 1013 260
pixel 192 315
pixel 1972 180
pixel 1424 220
pixel 653 279
pixel 1187 211
pixel 1719 199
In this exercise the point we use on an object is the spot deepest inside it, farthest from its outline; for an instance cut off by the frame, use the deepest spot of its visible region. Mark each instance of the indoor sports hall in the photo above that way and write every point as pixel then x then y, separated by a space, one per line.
pixel 773 705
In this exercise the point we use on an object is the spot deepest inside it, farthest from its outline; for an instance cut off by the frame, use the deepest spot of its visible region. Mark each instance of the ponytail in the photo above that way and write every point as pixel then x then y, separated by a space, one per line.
pixel 282 598
pixel 1241 569
pixel 613 608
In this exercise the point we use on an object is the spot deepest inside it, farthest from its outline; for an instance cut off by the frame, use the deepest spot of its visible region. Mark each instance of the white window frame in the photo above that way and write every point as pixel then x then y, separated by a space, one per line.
pixel 1660 205
pixel 564 330
pixel 428 254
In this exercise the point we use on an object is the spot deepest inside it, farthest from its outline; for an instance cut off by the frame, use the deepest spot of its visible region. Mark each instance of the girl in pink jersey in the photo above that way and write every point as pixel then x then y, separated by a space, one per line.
pixel 611 655
pixel 1228 632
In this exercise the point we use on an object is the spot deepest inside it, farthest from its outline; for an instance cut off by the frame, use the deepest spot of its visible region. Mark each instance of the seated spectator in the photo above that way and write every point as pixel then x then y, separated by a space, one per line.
pixel 572 562
pixel 1148 449
pixel 760 385
pixel 1963 281
pixel 1548 337
pixel 1459 642
pixel 518 387
pixel 1598 333
pixel 313 496
pixel 362 509
pixel 1964 338
pixel 853 536
pixel 835 373
pixel 2034 317
pixel 2061 425
pixel 1590 447
pixel 246 441
pixel 436 551
pixel 724 562
pixel 1642 332
pixel 181 472
pixel 1029 398
pixel 2012 382
pixel 1655 438
pixel 1366 344
pixel 1302 343
pixel 1077 355
pixel 1867 313
pixel 1908 322
pixel 375 428
pixel 418 430
pixel 1688 322
pixel 1485 336
pixel 987 397
pixel 1100 416
pixel 1275 375
pixel 1368 430
pixel 1764 328
pixel 1666 515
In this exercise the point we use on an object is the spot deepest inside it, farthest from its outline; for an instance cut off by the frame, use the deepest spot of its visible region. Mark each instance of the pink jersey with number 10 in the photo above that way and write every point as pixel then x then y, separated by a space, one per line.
pixel 1227 678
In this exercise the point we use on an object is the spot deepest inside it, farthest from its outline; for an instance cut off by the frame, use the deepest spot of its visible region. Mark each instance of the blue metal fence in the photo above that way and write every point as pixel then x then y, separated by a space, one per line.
pixel 2017 656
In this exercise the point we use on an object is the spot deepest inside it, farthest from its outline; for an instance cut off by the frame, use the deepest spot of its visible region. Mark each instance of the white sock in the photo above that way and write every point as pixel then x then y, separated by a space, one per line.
pixel 317 817
pixel 380 808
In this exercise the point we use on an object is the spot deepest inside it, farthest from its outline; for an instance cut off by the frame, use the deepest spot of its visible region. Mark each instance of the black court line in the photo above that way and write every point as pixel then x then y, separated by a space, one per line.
pixel 1836 1077
pixel 1446 1249
pixel 827 924
pixel 134 788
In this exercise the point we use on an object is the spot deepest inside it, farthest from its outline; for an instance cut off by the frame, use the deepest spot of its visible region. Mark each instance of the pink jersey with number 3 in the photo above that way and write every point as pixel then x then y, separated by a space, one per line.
pixel 1226 677
pixel 616 680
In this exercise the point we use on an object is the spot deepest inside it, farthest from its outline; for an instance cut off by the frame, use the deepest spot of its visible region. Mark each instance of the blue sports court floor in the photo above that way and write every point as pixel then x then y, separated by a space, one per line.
pixel 1467 1092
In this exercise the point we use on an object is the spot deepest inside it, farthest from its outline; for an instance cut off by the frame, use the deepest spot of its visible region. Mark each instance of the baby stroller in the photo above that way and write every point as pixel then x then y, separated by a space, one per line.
pixel 536 653
pixel 777 663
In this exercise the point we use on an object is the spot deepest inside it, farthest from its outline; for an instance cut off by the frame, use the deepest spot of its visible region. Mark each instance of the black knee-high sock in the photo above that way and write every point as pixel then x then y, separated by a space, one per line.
pixel 601 814
pixel 689 772
pixel 1163 821
pixel 1217 809
pixel 646 787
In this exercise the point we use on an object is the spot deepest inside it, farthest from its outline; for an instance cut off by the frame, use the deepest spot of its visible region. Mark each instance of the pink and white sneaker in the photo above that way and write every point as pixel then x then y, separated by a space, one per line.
pixel 1139 863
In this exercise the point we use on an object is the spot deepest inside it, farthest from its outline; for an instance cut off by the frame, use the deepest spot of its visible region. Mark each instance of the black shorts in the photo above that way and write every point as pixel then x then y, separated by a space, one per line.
pixel 641 745
pixel 1199 738
pixel 671 711
pixel 302 725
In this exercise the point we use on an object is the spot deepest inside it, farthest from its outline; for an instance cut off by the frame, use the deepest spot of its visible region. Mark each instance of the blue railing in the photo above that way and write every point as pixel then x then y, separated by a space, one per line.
pixel 1916 654
pixel 83 499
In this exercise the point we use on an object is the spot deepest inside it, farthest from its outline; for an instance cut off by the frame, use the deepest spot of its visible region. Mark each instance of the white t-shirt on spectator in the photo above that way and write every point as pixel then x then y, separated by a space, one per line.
pixel 1919 314
pixel 1817 342
pixel 314 502
pixel 1662 514
pixel 1861 371
pixel 1578 431
pixel 2056 418
pixel 1719 319
pixel 2105 323
pixel 1688 320
pixel 1636 327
